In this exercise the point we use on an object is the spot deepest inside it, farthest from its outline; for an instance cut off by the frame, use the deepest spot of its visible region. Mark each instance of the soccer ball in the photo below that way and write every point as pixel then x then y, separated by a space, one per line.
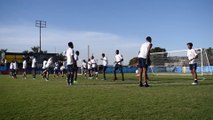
pixel 136 71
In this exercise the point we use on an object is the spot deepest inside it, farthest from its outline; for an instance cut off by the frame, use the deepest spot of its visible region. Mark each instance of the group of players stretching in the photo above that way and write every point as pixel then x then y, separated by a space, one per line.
pixel 90 67
pixel 143 63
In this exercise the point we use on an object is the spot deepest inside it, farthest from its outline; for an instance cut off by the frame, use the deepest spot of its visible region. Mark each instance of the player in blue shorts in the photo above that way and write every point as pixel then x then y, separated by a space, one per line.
pixel 76 65
pixel 105 63
pixel 143 57
pixel 70 61
pixel 118 65
pixel 192 56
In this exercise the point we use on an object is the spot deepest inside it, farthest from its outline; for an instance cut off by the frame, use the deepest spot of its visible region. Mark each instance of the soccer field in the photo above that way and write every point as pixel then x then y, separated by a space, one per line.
pixel 169 98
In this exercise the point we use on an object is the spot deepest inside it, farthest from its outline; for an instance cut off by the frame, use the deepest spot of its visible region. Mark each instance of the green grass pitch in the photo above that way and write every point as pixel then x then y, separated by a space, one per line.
pixel 169 98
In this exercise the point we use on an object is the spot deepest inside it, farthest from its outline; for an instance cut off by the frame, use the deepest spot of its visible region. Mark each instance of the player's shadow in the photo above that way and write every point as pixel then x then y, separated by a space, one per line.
pixel 110 83
pixel 206 84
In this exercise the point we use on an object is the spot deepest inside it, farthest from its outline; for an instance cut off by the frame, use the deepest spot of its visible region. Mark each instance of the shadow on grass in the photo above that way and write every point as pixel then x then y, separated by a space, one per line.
pixel 152 83
pixel 110 83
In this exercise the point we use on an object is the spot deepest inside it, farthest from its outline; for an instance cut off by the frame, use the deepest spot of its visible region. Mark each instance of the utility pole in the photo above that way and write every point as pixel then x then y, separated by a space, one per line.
pixel 88 50
pixel 40 24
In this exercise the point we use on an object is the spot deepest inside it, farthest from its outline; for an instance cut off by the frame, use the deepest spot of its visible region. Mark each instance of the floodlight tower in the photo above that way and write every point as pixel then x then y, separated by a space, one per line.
pixel 40 24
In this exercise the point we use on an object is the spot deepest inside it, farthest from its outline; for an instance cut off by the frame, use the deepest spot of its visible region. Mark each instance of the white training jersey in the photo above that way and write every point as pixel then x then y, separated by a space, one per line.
pixel 63 66
pixel 84 65
pixel 89 65
pixel 11 65
pixel 64 63
pixel 191 54
pixel 33 63
pixel 93 62
pixel 44 64
pixel 76 57
pixel 144 50
pixel 69 54
pixel 24 64
pixel 15 67
pixel 49 62
pixel 118 58
pixel 105 61
pixel 56 66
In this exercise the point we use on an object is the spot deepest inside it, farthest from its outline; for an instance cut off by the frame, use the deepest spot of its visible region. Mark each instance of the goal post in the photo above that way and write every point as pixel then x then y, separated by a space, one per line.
pixel 176 63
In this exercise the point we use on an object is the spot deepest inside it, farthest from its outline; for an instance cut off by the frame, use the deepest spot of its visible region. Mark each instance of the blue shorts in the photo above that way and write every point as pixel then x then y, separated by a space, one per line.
pixel 47 69
pixel 104 68
pixel 142 63
pixel 13 70
pixel 43 70
pixel 120 67
pixel 94 69
pixel 25 70
pixel 75 67
pixel 193 66
pixel 56 70
pixel 33 69
pixel 69 68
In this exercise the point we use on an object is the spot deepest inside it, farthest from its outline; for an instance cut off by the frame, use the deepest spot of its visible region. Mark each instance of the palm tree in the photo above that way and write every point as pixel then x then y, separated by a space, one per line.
pixel 2 53
pixel 25 51
pixel 35 49
pixel 3 50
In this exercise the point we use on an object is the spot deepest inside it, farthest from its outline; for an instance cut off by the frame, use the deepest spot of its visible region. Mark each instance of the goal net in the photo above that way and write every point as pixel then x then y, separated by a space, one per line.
pixel 177 63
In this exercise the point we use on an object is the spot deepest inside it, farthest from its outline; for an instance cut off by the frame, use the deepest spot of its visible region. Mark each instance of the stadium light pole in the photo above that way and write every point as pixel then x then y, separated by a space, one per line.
pixel 40 24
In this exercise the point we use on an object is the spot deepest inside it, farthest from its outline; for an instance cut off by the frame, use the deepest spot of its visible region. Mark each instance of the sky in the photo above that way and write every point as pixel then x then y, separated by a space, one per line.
pixel 106 25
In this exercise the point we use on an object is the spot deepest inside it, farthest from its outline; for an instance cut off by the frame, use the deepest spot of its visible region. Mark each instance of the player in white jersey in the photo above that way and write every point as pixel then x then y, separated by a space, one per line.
pixel 94 67
pixel 15 69
pixel 89 68
pixel 24 67
pixel 105 63
pixel 118 65
pixel 33 67
pixel 56 69
pixel 75 65
pixel 192 56
pixel 84 67
pixel 11 69
pixel 44 67
pixel 70 61
pixel 46 72
pixel 143 58
pixel 63 68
